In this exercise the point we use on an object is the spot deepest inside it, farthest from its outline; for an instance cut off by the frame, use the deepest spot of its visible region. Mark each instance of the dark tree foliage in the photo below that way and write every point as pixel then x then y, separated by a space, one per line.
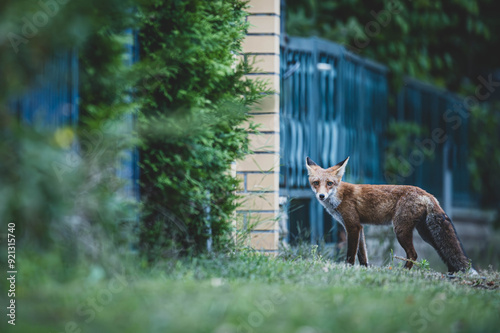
pixel 439 41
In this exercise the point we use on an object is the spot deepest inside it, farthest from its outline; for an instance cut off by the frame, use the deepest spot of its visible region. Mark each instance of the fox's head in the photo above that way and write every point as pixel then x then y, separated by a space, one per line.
pixel 325 182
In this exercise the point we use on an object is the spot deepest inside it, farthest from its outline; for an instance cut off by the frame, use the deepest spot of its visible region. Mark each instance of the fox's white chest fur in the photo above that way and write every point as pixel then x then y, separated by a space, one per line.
pixel 331 203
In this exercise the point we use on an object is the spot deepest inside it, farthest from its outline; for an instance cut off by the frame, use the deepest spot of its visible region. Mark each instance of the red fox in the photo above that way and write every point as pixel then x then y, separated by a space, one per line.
pixel 408 207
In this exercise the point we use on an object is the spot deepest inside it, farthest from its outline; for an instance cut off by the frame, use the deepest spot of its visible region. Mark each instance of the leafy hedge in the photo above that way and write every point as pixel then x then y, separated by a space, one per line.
pixel 194 98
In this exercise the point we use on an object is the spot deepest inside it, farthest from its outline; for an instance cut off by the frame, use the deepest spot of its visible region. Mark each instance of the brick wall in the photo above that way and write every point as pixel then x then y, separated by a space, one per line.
pixel 259 172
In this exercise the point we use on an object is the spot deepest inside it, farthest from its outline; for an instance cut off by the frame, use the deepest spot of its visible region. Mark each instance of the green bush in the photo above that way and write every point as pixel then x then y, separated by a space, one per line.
pixel 65 204
pixel 60 186
pixel 193 100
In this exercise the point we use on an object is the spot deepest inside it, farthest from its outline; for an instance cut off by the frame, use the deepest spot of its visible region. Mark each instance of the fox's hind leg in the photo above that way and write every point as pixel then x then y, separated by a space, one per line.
pixel 438 230
pixel 403 227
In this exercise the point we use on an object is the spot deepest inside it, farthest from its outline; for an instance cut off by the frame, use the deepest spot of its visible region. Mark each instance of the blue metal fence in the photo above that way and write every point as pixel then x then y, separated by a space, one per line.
pixel 52 102
pixel 53 99
pixel 425 105
pixel 335 104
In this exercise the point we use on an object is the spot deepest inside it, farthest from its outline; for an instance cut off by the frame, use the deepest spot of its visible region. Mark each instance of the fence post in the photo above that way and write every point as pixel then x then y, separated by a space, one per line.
pixel 401 104
pixel 316 210
pixel 447 178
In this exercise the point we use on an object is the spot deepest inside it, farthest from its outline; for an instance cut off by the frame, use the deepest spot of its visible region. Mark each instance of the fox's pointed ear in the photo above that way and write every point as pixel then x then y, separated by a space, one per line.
pixel 311 165
pixel 341 167
pixel 310 162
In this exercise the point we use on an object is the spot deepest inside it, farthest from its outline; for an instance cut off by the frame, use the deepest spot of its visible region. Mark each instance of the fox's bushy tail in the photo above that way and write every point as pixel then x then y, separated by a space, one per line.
pixel 438 230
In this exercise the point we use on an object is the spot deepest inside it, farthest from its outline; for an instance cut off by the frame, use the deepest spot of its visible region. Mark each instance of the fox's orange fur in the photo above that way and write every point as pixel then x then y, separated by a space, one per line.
pixel 407 207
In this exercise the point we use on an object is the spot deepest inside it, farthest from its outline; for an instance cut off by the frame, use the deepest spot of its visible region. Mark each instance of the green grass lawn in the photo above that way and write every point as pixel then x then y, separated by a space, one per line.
pixel 255 293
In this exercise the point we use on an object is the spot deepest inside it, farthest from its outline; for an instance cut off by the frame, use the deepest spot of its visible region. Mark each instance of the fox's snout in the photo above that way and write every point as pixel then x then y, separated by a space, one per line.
pixel 321 196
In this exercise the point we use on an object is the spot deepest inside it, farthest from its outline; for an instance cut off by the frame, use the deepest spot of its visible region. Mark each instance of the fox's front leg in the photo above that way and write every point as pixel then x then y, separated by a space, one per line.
pixel 353 231
pixel 362 252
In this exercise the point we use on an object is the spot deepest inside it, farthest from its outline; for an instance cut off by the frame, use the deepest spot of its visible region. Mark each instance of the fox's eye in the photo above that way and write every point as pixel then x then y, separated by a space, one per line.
pixel 329 183
pixel 315 183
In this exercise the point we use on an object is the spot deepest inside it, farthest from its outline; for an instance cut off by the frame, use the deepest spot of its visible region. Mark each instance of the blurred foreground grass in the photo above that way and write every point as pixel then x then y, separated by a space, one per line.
pixel 255 293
